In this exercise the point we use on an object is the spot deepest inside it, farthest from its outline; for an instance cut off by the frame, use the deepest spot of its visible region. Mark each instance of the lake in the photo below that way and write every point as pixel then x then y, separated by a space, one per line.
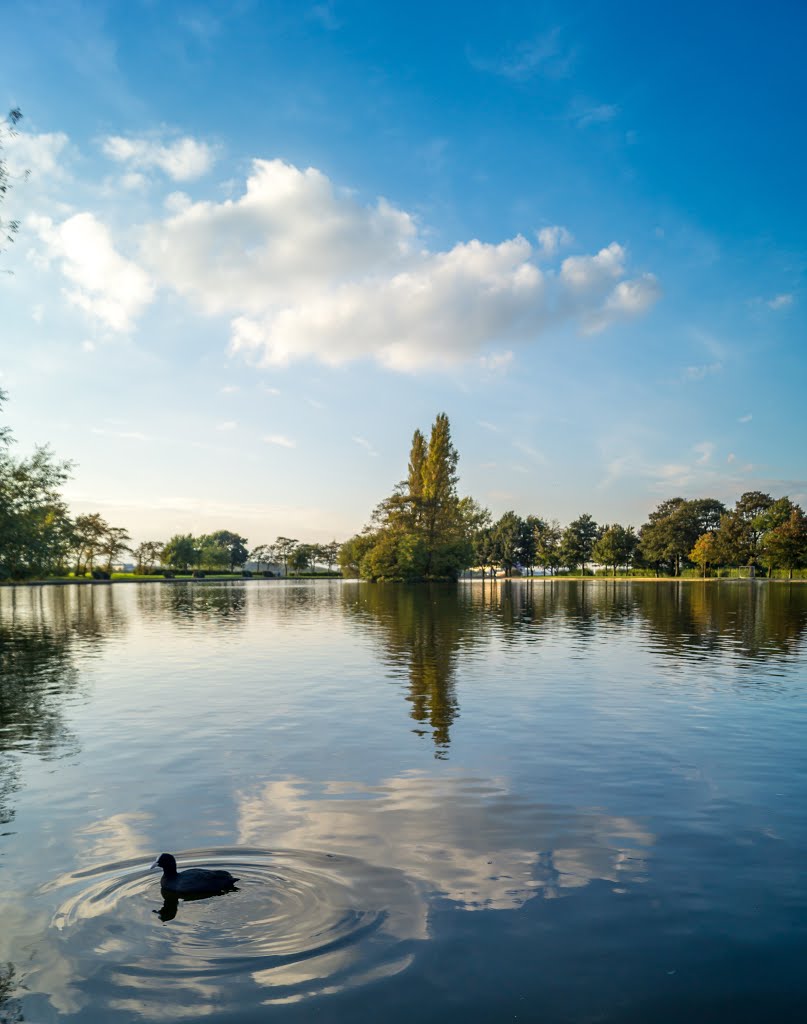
pixel 529 800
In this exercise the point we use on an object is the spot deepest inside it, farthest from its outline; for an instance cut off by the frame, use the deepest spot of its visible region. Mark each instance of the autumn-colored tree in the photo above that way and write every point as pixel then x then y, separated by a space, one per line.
pixel 704 551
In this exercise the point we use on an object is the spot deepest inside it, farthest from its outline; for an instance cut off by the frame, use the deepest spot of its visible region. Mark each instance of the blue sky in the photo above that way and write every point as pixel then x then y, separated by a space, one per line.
pixel 262 242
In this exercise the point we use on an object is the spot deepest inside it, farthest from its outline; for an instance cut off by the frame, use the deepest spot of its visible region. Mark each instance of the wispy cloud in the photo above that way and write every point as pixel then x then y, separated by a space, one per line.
pixel 362 442
pixel 486 425
pixel 704 451
pixel 746 419
pixel 227 425
pixel 496 362
pixel 553 238
pixel 701 371
pixel 325 15
pixel 598 113
pixel 230 389
pixel 781 301
pixel 280 440
pixel 542 55
pixel 527 449
pixel 126 435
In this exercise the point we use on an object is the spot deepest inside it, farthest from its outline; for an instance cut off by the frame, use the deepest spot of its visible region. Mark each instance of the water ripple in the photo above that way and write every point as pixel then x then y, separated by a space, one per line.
pixel 299 924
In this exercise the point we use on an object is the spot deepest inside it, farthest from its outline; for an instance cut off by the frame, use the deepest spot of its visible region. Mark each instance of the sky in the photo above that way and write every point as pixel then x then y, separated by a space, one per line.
pixel 262 242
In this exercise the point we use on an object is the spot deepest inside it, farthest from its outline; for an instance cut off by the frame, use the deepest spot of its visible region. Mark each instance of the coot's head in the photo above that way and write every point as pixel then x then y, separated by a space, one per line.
pixel 167 862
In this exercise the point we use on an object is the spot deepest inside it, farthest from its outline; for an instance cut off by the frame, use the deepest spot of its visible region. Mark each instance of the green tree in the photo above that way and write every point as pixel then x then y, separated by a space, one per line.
pixel 742 529
pixel 181 551
pixel 223 549
pixel 115 541
pixel 547 538
pixel 87 541
pixel 785 546
pixel 615 546
pixel 263 554
pixel 508 534
pixel 34 522
pixel 148 556
pixel 577 542
pixel 302 558
pixel 485 550
pixel 528 551
pixel 211 553
pixel 424 529
pixel 670 534
pixel 330 553
pixel 352 552
pixel 284 548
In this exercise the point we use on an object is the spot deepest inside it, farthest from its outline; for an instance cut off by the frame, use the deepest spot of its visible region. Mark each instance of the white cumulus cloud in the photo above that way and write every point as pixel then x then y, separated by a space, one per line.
pixel 291 234
pixel 42 155
pixel 435 315
pixel 104 284
pixel 182 160
pixel 305 270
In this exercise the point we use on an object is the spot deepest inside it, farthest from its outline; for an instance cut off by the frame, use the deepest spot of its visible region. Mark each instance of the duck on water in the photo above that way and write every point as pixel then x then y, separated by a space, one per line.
pixel 192 881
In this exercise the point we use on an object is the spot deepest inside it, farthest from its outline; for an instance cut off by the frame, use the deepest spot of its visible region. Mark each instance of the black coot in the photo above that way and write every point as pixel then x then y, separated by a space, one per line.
pixel 192 881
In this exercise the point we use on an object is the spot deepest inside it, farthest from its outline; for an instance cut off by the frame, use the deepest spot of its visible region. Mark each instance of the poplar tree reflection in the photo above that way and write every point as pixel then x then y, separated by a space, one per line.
pixel 424 627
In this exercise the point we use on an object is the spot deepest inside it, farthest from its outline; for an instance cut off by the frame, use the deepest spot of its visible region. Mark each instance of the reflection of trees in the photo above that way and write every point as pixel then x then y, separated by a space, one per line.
pixel 423 629
pixel 739 618
pixel 742 619
pixel 41 631
pixel 10 1009
pixel 222 603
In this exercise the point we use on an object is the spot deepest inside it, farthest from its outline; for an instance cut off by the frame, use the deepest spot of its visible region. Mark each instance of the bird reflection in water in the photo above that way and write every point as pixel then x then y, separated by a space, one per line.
pixel 168 911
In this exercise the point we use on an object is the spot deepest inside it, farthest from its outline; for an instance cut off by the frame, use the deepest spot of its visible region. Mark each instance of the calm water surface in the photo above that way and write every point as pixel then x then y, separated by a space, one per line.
pixel 554 802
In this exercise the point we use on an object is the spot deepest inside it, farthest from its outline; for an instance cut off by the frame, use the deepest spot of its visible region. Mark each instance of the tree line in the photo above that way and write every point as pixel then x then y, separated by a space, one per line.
pixel 227 551
pixel 40 538
pixel 423 530
pixel 759 531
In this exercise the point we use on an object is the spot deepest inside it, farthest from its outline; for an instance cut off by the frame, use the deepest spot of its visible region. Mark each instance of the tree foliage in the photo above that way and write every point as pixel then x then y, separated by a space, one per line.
pixel 8 228
pixel 674 527
pixel 423 529
pixel 615 546
pixel 577 542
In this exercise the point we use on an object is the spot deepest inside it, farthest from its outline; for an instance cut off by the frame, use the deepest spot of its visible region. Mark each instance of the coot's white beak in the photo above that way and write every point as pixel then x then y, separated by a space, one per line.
pixel 154 865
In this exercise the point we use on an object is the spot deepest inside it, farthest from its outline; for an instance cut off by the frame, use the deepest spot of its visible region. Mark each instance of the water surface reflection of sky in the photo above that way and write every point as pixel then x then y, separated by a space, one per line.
pixel 373 759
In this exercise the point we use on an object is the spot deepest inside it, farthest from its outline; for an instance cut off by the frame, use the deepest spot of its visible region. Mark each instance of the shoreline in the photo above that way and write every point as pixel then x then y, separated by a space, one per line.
pixel 476 580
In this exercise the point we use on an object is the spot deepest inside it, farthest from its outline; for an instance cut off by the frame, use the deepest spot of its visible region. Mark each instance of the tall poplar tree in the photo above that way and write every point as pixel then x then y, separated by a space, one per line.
pixel 423 530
